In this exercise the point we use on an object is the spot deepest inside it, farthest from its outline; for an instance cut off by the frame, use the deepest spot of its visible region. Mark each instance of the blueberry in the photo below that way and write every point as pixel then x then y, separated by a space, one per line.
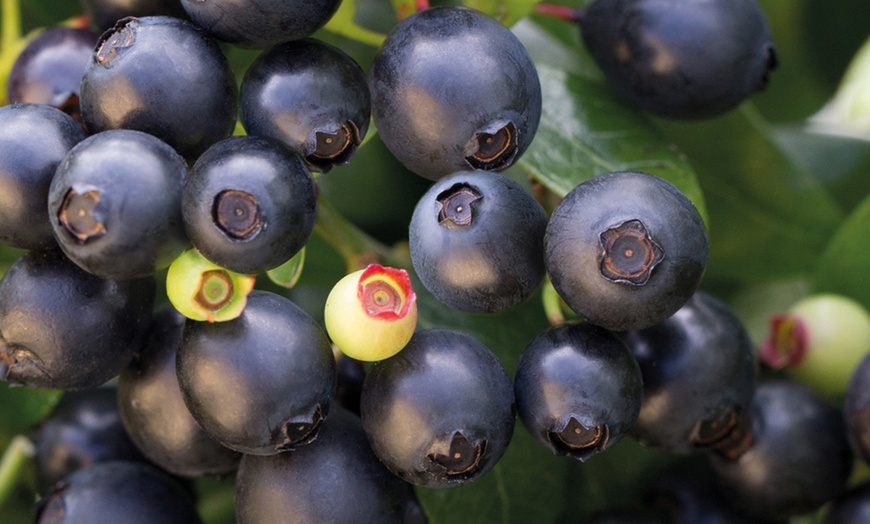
pixel 64 328
pixel 336 478
pixel 164 76
pixel 688 59
pixel 856 409
pixel 152 409
pixel 260 23
pixel 699 376
pixel 578 390
pixel 310 95
pixel 49 69
pixel 477 241
pixel 452 90
pixel 115 204
pixel 852 507
pixel 249 204
pixel 625 250
pixel 118 491
pixel 799 457
pixel 441 412
pixel 262 383
pixel 84 428
pixel 34 139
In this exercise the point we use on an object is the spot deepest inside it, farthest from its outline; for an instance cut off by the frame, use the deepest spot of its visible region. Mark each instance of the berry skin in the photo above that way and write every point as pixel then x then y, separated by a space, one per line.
pixel 118 491
pixel 203 291
pixel 371 314
pixel 249 204
pixel 477 241
pixel 64 328
pixel 262 383
pixel 153 411
pixel 49 69
pixel 115 204
pixel 84 428
pixel 163 76
pixel 819 341
pixel 856 409
pixel 625 250
pixel 441 412
pixel 336 478
pixel 799 457
pixel 578 390
pixel 699 376
pixel 310 95
pixel 452 90
pixel 687 59
pixel 260 23
pixel 34 139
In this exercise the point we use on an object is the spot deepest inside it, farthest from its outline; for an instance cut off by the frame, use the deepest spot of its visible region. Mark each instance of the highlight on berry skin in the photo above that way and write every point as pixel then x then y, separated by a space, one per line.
pixel 371 314
pixel 203 291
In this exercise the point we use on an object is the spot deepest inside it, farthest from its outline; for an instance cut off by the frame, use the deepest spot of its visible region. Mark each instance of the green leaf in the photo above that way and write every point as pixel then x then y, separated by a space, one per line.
pixel 844 267
pixel 508 12
pixel 586 131
pixel 288 273
pixel 342 23
pixel 23 408
pixel 769 217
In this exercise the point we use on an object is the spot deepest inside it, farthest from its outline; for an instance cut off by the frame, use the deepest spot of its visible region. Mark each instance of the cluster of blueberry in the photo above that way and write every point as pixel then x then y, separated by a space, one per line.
pixel 140 164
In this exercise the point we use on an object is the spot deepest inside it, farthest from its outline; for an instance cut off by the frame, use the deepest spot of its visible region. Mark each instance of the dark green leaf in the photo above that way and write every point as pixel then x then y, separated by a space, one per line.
pixel 23 408
pixel 844 266
pixel 769 217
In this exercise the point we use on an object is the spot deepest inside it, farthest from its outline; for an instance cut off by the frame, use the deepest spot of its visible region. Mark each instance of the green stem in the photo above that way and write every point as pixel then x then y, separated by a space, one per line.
pixel 354 245
pixel 10 40
pixel 552 304
pixel 14 460
pixel 10 32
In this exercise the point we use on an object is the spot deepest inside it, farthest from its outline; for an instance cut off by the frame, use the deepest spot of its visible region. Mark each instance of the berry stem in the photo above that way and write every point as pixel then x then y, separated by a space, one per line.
pixel 354 245
pixel 552 304
pixel 10 40
pixel 559 12
pixel 13 463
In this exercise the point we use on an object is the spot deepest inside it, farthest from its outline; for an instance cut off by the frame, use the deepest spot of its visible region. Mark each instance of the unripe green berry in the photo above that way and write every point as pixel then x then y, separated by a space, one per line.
pixel 203 291
pixel 819 341
pixel 371 314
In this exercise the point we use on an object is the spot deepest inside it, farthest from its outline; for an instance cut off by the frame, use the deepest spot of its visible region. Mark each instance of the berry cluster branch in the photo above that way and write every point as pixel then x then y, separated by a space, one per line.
pixel 354 245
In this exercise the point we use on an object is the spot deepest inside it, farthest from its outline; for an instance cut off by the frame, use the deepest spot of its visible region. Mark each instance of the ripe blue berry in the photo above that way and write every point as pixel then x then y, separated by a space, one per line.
pixel 249 204
pixel 164 76
pixel 115 204
pixel 578 390
pixel 477 241
pixel 452 90
pixel 441 412
pixel 311 96
pixel 625 250
pixel 687 59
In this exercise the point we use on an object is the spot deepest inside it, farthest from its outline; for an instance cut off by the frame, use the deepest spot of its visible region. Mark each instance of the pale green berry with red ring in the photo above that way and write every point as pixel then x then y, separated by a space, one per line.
pixel 371 314
pixel 819 341
pixel 201 290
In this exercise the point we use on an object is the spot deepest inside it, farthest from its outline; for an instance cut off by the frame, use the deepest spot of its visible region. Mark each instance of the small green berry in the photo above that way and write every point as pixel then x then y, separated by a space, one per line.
pixel 371 314
pixel 819 341
pixel 203 291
